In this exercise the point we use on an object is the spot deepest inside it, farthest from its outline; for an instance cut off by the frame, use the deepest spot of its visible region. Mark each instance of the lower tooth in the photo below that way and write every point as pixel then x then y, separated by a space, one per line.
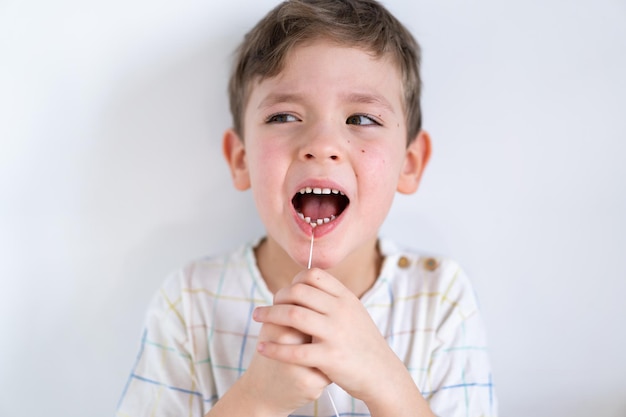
pixel 317 222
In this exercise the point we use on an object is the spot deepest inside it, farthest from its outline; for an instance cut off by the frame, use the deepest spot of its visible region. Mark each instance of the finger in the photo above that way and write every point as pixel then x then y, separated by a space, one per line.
pixel 318 278
pixel 283 335
pixel 305 295
pixel 307 355
pixel 289 315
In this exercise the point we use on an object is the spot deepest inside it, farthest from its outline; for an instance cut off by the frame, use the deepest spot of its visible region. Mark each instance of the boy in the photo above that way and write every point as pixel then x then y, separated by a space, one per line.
pixel 327 127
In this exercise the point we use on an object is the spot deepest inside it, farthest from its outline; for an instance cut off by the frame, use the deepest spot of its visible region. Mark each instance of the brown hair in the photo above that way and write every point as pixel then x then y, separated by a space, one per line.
pixel 365 24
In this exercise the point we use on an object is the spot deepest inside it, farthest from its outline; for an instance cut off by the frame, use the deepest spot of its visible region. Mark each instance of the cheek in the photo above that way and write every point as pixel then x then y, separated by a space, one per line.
pixel 372 179
pixel 265 162
pixel 379 173
pixel 268 169
pixel 380 163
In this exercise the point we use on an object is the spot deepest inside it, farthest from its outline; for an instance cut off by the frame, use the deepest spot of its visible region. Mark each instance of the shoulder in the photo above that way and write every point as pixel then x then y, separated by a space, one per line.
pixel 414 271
pixel 208 271
pixel 207 279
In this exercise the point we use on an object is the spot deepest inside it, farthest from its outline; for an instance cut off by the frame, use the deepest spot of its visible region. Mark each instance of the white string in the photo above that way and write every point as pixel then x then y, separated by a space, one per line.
pixel 330 397
pixel 310 251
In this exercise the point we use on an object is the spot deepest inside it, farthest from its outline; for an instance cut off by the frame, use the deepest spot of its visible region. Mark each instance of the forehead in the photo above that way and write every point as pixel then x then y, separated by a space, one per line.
pixel 326 67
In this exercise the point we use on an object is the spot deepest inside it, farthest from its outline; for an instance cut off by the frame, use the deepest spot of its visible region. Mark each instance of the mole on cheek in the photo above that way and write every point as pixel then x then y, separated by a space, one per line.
pixel 362 150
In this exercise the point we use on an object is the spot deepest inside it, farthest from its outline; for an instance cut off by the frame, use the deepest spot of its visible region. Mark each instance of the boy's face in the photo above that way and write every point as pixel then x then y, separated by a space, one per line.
pixel 332 120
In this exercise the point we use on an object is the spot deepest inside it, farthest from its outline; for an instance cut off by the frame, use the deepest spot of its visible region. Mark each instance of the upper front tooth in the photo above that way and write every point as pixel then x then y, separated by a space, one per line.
pixel 319 190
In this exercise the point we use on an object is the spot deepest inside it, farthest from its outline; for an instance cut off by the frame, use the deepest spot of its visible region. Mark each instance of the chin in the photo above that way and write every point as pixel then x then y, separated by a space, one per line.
pixel 325 261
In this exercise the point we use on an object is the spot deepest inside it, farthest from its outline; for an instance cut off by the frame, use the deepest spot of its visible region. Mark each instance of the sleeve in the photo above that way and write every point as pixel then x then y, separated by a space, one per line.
pixel 163 381
pixel 459 380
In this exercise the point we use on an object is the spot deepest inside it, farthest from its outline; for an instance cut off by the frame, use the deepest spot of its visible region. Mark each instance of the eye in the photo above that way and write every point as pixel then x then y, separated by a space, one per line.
pixel 362 120
pixel 281 118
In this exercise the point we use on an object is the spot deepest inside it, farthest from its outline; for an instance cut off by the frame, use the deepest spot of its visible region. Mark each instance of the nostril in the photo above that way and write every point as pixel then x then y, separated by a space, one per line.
pixel 310 156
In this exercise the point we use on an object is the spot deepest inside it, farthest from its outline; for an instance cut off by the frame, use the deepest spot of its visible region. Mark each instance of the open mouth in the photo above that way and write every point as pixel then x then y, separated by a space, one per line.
pixel 318 206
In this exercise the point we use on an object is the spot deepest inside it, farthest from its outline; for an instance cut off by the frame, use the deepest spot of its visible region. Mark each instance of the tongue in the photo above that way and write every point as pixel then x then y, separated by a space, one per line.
pixel 318 206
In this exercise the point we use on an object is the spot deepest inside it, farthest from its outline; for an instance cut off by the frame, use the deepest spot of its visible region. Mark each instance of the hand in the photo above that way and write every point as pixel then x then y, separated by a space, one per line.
pixel 346 345
pixel 278 388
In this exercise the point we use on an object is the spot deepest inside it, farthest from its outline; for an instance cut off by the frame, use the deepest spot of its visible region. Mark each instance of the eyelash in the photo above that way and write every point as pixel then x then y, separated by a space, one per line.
pixel 274 118
pixel 366 116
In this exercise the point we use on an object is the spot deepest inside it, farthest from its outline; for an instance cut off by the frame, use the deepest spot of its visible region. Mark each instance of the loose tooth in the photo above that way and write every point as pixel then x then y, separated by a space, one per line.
pixel 326 219
pixel 307 219
pixel 313 224
pixel 301 216
pixel 317 191
pixel 326 191
pixel 320 221
pixel 308 190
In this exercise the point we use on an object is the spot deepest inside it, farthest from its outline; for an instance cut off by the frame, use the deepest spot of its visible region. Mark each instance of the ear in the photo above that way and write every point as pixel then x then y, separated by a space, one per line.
pixel 415 160
pixel 235 155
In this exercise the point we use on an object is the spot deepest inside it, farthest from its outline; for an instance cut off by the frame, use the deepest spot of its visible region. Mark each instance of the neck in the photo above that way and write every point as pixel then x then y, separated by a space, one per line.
pixel 358 271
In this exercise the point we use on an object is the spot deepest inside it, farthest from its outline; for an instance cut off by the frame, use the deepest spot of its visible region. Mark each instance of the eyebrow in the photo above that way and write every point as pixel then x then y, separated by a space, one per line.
pixel 277 98
pixel 363 98
pixel 369 99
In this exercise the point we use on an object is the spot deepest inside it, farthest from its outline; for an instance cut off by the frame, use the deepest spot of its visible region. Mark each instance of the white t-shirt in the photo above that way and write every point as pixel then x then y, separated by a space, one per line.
pixel 200 336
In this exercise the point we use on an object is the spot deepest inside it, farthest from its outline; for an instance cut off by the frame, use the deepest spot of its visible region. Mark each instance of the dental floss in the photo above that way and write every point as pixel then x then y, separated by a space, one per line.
pixel 330 397
pixel 310 250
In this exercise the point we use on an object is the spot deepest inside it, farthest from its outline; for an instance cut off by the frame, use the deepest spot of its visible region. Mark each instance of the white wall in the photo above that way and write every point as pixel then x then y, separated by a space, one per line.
pixel 111 176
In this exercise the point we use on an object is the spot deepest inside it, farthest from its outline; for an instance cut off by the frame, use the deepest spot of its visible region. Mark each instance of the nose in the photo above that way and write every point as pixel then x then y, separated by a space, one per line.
pixel 322 145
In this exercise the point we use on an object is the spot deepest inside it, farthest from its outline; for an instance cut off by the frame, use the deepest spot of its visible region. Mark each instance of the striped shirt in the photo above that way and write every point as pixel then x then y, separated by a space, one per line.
pixel 200 337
